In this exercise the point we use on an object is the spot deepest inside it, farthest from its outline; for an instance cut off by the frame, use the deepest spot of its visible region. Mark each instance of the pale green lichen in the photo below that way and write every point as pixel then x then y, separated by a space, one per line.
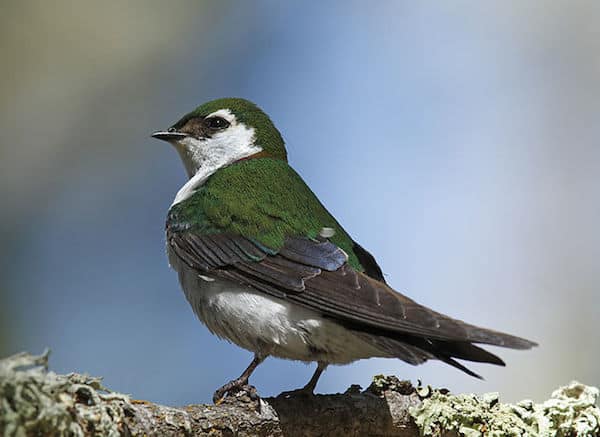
pixel 571 411
pixel 35 401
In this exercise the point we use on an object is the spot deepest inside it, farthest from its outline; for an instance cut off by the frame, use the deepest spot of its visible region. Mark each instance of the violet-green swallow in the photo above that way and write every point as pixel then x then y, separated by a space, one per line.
pixel 264 265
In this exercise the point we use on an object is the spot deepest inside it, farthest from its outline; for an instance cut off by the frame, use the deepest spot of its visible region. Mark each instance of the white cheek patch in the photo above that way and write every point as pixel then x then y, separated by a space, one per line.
pixel 208 155
pixel 223 113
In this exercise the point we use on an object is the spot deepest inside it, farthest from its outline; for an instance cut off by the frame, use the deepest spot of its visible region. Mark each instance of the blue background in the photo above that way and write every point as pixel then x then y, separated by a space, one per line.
pixel 458 142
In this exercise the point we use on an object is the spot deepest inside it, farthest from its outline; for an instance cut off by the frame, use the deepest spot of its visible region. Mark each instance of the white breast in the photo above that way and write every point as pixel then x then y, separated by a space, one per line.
pixel 260 323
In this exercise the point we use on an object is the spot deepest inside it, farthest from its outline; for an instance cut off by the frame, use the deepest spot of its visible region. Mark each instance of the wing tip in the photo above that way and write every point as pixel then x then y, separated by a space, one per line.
pixel 518 343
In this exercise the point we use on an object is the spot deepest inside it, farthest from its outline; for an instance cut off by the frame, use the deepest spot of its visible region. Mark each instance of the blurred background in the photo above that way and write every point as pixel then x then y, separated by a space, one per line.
pixel 459 142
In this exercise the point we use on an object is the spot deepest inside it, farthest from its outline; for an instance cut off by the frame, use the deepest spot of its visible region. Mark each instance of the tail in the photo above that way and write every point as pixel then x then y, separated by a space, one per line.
pixel 449 351
pixel 416 350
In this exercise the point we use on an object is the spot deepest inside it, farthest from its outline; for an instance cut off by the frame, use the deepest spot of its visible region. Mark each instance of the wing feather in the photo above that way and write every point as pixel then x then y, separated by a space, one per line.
pixel 315 274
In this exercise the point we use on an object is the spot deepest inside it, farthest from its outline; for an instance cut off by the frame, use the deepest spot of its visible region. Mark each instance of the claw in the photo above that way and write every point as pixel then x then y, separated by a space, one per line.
pixel 239 384
pixel 233 387
pixel 220 394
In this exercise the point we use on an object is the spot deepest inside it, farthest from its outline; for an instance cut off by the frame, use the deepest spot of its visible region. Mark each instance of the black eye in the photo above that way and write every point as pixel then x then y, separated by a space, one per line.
pixel 216 123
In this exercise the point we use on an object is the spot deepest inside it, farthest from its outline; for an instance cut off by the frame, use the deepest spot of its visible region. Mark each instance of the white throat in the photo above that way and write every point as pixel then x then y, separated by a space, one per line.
pixel 203 157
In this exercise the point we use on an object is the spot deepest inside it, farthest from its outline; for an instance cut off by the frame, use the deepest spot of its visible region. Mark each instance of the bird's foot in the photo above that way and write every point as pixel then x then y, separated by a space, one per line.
pixel 237 387
pixel 304 391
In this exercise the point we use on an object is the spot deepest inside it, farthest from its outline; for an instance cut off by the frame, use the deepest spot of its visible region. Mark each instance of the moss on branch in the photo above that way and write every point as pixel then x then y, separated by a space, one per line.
pixel 36 401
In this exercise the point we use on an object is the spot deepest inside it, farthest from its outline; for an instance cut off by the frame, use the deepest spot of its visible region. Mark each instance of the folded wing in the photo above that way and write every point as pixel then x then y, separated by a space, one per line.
pixel 315 274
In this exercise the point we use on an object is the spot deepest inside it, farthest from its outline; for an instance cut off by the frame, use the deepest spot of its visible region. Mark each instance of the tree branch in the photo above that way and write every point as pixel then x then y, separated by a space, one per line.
pixel 35 401
pixel 330 415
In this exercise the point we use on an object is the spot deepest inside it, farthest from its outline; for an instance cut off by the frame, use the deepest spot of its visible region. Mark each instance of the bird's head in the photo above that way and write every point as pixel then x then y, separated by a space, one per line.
pixel 221 132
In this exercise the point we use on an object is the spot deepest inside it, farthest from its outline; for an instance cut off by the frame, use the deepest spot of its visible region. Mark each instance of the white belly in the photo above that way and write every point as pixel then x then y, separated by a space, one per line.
pixel 267 325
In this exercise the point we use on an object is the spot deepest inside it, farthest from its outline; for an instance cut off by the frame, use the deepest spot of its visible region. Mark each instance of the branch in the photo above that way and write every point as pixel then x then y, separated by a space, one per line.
pixel 35 401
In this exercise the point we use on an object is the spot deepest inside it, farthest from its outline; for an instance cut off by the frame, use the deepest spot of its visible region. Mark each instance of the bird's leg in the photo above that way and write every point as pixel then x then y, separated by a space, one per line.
pixel 238 383
pixel 309 388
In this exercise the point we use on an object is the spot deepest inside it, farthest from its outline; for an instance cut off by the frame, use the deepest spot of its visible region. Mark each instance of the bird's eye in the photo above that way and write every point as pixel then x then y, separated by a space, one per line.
pixel 217 123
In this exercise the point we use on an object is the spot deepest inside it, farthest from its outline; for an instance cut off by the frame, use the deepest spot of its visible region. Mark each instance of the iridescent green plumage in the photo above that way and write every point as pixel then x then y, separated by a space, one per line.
pixel 262 199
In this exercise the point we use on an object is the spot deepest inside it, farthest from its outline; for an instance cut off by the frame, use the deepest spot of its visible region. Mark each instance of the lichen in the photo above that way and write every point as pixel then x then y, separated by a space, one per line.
pixel 383 383
pixel 35 401
pixel 571 411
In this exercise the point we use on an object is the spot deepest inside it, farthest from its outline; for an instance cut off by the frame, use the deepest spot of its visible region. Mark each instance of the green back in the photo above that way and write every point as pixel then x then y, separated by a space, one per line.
pixel 262 199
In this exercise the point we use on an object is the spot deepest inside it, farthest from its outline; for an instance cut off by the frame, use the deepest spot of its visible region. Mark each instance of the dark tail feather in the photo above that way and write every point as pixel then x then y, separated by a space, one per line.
pixel 465 351
pixel 459 366
pixel 416 350
pixel 445 351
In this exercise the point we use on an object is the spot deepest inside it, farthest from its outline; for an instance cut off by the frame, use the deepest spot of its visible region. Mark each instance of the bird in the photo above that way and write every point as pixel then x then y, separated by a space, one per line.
pixel 264 265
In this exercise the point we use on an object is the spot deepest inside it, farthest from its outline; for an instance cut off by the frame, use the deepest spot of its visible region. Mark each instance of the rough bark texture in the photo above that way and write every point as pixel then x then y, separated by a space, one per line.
pixel 35 401
pixel 360 414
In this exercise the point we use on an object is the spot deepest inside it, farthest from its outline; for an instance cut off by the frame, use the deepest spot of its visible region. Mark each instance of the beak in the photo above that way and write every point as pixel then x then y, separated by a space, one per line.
pixel 169 135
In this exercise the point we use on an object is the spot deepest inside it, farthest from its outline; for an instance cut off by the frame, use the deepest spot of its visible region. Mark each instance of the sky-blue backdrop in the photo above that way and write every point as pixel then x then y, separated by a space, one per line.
pixel 458 142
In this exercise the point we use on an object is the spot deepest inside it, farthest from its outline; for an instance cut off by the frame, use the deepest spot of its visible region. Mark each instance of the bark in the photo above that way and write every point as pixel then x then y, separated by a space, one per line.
pixel 350 414
pixel 35 401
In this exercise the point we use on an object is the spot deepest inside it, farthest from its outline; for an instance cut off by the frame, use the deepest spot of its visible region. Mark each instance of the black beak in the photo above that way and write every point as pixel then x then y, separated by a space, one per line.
pixel 169 135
